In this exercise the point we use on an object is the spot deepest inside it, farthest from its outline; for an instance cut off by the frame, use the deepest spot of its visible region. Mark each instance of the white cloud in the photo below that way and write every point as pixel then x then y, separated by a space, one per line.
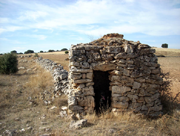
pixel 39 37
pixel 4 20
pixel 99 17
pixel 10 28
pixel 4 39
pixel 32 15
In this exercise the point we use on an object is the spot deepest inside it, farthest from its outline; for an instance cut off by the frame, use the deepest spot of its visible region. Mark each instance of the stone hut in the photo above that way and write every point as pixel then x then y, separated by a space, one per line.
pixel 115 74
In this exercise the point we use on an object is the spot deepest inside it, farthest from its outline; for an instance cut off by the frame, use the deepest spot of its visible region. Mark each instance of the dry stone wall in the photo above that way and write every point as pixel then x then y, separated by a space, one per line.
pixel 133 74
pixel 60 75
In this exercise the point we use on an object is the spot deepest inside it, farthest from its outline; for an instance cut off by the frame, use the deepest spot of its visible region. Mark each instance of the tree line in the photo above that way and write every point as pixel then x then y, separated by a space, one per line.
pixel 32 51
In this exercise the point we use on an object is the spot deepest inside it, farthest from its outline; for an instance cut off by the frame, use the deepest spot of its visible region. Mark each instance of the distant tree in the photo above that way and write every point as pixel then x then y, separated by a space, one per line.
pixel 41 51
pixel 64 49
pixel 66 52
pixel 28 51
pixel 14 51
pixel 165 45
pixel 20 53
pixel 51 51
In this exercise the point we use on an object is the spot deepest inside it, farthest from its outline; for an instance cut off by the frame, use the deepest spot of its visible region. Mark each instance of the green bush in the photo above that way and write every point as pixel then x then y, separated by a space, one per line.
pixel 14 51
pixel 165 45
pixel 64 49
pixel 28 51
pixel 36 55
pixel 51 51
pixel 66 52
pixel 8 63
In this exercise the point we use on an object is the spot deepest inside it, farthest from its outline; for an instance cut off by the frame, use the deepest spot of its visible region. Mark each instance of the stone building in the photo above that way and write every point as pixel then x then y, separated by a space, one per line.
pixel 116 74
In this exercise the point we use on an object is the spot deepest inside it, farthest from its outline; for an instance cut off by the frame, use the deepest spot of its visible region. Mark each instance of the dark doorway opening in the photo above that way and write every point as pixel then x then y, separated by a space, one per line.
pixel 101 89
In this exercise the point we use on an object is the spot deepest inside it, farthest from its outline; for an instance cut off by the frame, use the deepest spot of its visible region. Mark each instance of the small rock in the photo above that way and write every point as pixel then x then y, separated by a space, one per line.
pixel 29 128
pixel 78 124
pixel 111 131
pixel 22 130
pixel 17 119
pixel 47 135
pixel 53 107
pixel 64 108
pixel 63 114
pixel 21 68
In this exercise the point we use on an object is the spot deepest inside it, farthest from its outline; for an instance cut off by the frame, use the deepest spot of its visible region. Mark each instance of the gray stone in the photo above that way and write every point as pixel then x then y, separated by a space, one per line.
pixel 80 81
pixel 75 107
pixel 126 72
pixel 89 76
pixel 104 67
pixel 136 85
pixel 120 89
pixel 120 105
pixel 78 124
pixel 81 70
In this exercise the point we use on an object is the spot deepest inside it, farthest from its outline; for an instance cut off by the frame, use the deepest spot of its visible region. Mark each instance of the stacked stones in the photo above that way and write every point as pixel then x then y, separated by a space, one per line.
pixel 133 74
pixel 59 74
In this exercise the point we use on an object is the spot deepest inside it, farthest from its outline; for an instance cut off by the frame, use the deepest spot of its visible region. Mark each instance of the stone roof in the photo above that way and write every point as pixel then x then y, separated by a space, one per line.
pixel 115 39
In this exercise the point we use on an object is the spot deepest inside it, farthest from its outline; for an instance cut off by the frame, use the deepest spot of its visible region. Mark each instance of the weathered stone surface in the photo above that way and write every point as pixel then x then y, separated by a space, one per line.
pixel 122 105
pixel 81 70
pixel 89 76
pixel 144 108
pixel 136 85
pixel 120 99
pixel 126 72
pixel 156 108
pixel 120 89
pixel 82 81
pixel 75 108
pixel 115 78
pixel 132 96
pixel 76 76
pixel 89 101
pixel 116 72
pixel 120 56
pixel 143 46
pixel 104 67
pixel 88 91
pixel 72 100
pixel 128 48
pixel 89 84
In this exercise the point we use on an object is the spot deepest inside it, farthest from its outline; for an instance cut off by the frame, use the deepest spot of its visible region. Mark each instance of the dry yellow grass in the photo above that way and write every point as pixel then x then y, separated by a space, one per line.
pixel 14 103
pixel 167 52
pixel 58 58
pixel 172 65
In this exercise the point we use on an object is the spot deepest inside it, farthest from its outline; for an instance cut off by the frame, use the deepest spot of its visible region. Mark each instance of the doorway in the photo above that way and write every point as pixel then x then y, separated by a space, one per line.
pixel 101 89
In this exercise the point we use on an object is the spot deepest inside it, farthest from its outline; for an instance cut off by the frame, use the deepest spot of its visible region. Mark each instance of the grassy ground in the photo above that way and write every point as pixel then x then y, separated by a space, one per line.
pixel 22 108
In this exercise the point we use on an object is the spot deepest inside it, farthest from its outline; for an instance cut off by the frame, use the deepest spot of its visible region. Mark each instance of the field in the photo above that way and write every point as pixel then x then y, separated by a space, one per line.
pixel 23 110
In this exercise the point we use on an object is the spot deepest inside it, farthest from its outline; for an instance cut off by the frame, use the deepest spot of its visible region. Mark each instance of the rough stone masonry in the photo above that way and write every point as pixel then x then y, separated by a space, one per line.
pixel 133 74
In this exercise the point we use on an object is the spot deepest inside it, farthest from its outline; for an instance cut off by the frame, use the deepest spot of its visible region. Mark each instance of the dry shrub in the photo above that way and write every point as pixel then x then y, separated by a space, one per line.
pixel 39 83
pixel 169 101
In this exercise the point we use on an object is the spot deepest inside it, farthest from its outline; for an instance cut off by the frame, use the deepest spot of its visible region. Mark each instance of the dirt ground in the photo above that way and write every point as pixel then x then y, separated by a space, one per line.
pixel 24 113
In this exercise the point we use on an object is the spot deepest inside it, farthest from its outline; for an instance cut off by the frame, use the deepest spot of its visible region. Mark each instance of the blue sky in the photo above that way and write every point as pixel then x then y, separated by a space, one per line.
pixel 56 24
